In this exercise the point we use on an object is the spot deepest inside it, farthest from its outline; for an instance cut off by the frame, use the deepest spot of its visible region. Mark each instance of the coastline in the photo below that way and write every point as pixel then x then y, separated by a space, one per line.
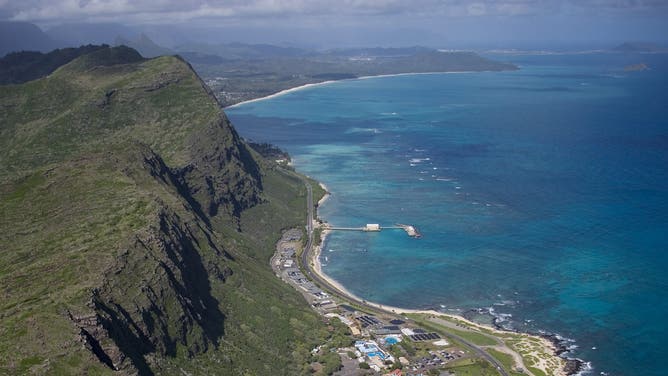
pixel 314 84
pixel 325 197
pixel 550 343
pixel 412 74
pixel 282 92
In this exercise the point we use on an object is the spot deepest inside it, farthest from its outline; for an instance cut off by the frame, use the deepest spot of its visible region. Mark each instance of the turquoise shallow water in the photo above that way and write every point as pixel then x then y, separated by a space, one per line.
pixel 541 194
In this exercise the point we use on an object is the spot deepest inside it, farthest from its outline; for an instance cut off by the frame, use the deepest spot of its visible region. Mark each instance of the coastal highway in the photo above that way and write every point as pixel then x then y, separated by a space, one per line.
pixel 315 277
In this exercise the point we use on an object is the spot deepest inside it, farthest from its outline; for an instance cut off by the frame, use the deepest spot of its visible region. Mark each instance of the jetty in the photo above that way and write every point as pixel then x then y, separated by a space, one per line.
pixel 375 227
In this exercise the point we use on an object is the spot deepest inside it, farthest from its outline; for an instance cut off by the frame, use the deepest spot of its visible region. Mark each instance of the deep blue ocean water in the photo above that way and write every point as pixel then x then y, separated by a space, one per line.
pixel 541 194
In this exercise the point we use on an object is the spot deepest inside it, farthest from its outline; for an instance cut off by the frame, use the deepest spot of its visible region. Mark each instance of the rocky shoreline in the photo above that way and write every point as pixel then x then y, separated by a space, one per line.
pixel 562 346
pixel 574 366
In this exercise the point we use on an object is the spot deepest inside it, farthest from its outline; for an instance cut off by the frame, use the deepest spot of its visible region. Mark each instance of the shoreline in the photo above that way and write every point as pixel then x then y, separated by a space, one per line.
pixel 324 198
pixel 551 343
pixel 314 84
pixel 282 92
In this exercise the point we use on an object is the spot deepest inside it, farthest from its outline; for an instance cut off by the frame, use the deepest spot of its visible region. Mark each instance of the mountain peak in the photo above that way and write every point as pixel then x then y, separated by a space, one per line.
pixel 107 56
pixel 23 36
pixel 144 45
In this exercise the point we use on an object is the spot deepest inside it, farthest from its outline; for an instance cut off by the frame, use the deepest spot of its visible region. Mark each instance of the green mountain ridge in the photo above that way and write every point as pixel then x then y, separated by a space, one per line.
pixel 137 227
pixel 20 67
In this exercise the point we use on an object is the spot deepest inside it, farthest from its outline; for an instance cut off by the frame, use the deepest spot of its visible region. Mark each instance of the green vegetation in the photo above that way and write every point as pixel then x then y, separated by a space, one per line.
pixel 317 235
pixel 534 352
pixel 318 191
pixel 262 72
pixel 136 230
pixel 330 362
pixel 24 66
pixel 269 151
pixel 340 335
pixel 506 361
pixel 532 349
pixel 472 367
pixel 327 361
pixel 473 337
pixel 408 347
pixel 536 371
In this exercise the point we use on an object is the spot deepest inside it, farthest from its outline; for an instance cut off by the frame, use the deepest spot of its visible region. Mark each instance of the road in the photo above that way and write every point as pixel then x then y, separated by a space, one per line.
pixel 315 277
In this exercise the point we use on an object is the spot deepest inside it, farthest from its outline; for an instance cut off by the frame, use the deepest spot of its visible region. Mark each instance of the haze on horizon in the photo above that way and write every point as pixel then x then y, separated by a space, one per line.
pixel 535 24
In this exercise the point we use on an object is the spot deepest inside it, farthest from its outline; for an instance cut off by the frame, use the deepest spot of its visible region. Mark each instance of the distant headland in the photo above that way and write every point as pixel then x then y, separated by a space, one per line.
pixel 636 67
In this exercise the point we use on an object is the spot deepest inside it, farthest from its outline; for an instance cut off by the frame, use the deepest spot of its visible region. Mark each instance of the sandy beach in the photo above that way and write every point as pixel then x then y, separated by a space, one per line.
pixel 282 92
pixel 546 345
pixel 325 196
pixel 317 268
pixel 390 309
pixel 306 86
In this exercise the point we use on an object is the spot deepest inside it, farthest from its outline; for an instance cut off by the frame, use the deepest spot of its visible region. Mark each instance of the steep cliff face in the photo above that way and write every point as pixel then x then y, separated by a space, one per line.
pixel 220 176
pixel 122 189
pixel 156 296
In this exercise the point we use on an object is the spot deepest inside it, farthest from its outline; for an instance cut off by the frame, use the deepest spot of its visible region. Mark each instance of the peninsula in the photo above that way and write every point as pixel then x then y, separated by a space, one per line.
pixel 263 74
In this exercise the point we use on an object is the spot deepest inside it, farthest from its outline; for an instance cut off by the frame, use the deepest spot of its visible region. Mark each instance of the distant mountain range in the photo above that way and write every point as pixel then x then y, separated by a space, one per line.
pixel 32 38
pixel 24 36
pixel 76 34
pixel 379 51
pixel 144 45
pixel 640 47
pixel 243 51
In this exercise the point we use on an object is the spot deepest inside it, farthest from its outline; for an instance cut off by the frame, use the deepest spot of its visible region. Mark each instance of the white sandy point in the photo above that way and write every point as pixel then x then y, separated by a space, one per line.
pixel 282 92
pixel 306 86
pixel 325 196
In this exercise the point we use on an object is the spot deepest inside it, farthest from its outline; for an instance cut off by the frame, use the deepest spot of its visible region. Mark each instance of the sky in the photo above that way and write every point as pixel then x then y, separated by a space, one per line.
pixel 347 23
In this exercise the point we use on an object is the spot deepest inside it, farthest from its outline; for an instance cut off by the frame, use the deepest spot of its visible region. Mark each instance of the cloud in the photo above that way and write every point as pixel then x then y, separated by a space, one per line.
pixel 168 11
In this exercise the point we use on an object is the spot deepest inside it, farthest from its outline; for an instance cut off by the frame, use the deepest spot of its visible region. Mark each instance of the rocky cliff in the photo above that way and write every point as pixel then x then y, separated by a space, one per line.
pixel 125 192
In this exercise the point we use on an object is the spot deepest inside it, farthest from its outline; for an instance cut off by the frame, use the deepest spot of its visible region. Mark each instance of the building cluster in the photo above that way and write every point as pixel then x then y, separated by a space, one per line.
pixel 370 351
pixel 285 266
pixel 375 335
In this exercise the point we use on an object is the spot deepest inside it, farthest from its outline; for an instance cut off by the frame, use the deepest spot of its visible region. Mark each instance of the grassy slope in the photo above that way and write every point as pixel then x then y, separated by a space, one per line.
pixel 96 224
pixel 48 120
pixel 52 254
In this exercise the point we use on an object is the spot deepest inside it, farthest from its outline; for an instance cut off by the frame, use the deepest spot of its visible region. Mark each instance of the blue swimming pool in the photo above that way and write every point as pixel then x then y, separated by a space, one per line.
pixel 391 340
pixel 378 354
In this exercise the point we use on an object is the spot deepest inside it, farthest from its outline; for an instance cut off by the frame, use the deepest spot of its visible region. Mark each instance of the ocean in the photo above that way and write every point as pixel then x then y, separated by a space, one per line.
pixel 541 195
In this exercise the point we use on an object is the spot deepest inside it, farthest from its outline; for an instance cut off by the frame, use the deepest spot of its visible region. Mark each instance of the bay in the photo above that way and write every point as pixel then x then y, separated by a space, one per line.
pixel 541 194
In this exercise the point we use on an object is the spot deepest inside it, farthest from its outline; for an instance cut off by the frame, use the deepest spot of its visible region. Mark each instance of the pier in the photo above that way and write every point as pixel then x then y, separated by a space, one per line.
pixel 374 227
